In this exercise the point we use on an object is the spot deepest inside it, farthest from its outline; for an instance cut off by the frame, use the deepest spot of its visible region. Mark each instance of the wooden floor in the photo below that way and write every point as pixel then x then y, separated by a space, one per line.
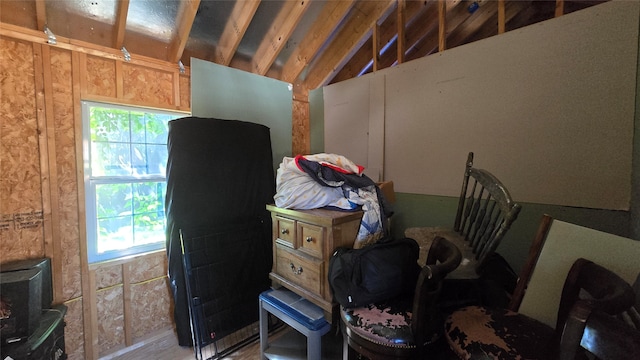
pixel 164 346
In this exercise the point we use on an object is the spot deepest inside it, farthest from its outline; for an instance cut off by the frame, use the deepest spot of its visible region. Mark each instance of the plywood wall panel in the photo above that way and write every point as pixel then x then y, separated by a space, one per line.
pixel 21 220
pixel 147 85
pixel 73 331
pixel 49 109
pixel 67 188
pixel 150 306
pixel 107 276
pixel 148 267
pixel 101 76
pixel 185 92
pixel 110 305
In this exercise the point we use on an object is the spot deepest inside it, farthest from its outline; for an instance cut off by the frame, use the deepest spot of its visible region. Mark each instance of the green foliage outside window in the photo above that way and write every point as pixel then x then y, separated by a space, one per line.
pixel 128 157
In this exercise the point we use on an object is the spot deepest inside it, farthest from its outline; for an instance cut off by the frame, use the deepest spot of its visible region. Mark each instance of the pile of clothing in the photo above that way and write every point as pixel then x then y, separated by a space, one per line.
pixel 332 181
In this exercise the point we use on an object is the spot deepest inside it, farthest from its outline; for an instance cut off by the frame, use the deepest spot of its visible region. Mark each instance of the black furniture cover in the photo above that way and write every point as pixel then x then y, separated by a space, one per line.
pixel 219 179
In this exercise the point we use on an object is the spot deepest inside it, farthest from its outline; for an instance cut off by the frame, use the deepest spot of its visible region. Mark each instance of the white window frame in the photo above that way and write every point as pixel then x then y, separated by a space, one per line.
pixel 90 183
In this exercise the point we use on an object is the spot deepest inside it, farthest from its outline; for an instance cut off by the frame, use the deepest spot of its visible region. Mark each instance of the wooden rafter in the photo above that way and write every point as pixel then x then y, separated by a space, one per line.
pixel 276 38
pixel 234 30
pixel 512 10
pixel 457 14
pixel 416 12
pixel 121 23
pixel 347 41
pixel 186 15
pixel 484 15
pixel 41 14
pixel 332 14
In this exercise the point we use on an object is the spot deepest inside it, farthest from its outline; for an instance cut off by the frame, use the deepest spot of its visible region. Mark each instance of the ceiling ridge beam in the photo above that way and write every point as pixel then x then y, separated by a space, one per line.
pixel 186 16
pixel 234 30
pixel 121 23
pixel 279 32
pixel 332 14
pixel 348 40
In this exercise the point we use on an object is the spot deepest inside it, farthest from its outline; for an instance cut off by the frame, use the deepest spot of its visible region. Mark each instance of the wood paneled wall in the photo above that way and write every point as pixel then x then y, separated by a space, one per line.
pixel 110 305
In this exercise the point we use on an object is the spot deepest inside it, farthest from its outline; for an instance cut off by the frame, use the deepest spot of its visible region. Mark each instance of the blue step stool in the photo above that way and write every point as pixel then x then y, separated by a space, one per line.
pixel 297 312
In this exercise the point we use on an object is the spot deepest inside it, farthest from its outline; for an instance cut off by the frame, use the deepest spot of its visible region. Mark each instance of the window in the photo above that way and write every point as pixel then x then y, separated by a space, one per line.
pixel 125 155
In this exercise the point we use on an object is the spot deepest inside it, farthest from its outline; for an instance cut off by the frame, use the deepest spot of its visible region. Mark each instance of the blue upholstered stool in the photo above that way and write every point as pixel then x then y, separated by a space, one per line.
pixel 297 312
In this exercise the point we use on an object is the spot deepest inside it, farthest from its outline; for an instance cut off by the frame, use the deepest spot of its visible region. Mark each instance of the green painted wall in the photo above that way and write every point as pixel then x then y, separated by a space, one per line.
pixel 424 210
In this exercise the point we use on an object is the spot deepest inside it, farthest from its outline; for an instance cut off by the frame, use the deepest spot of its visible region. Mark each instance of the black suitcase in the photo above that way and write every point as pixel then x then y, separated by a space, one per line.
pixel 46 342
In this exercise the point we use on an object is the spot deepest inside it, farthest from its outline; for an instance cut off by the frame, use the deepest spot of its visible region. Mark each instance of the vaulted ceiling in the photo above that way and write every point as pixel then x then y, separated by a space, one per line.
pixel 309 43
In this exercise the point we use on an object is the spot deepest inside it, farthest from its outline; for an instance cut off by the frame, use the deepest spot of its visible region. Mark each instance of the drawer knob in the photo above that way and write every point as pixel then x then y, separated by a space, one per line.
pixel 297 271
pixel 284 231
pixel 309 239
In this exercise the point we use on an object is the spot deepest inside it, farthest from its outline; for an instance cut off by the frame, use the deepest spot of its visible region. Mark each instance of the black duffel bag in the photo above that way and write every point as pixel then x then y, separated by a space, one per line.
pixel 375 273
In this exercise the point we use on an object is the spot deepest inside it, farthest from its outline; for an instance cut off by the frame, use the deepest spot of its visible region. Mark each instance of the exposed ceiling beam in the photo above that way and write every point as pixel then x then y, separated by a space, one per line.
pixel 234 29
pixel 276 38
pixel 347 41
pixel 121 23
pixel 186 15
pixel 41 14
pixel 332 14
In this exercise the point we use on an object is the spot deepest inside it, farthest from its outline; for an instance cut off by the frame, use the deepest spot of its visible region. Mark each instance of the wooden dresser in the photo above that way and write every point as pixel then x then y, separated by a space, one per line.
pixel 303 241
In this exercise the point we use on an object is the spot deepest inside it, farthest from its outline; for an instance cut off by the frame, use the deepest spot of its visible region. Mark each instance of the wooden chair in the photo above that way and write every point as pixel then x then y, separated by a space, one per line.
pixel 485 213
pixel 599 333
pixel 404 327
pixel 477 332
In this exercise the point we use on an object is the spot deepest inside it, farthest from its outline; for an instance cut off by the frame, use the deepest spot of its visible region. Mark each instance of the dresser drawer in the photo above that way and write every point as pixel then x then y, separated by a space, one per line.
pixel 310 239
pixel 299 269
pixel 285 231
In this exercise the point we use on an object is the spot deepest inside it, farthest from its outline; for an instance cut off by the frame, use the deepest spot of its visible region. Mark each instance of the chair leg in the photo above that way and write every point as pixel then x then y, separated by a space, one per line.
pixel 345 349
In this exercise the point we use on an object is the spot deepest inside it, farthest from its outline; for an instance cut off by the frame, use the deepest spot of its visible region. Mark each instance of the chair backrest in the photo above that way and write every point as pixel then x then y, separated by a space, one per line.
pixel 485 211
pixel 426 320
pixel 606 290
pixel 599 333
pixel 597 289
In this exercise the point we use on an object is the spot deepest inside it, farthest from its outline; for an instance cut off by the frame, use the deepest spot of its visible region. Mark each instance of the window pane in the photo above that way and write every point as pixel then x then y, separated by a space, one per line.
pixel 157 128
pixel 113 200
pixel 139 159
pixel 149 197
pixel 115 233
pixel 110 159
pixel 109 125
pixel 137 127
pixel 149 228
pixel 148 219
pixel 157 159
